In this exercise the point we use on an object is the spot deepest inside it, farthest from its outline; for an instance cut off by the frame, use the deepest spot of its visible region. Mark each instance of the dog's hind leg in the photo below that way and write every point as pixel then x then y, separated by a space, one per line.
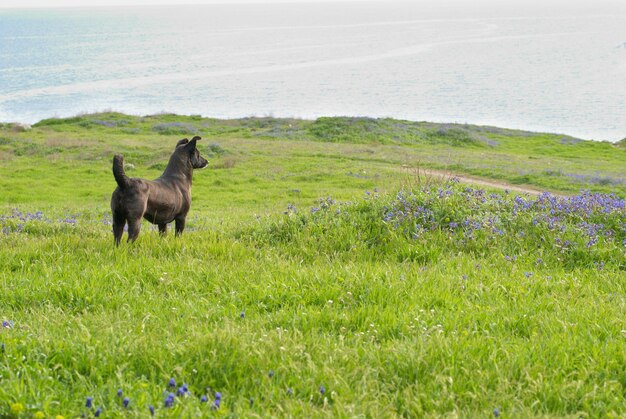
pixel 180 225
pixel 163 229
pixel 134 226
pixel 118 227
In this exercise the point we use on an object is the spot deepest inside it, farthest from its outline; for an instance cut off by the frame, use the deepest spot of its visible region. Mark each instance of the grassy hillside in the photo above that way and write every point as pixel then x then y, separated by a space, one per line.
pixel 317 276
pixel 86 143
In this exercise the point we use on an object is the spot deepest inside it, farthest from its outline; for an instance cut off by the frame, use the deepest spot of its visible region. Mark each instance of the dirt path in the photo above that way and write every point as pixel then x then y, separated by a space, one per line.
pixel 426 175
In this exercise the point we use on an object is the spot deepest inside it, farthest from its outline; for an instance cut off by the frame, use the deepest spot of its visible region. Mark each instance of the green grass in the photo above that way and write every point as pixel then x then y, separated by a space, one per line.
pixel 350 273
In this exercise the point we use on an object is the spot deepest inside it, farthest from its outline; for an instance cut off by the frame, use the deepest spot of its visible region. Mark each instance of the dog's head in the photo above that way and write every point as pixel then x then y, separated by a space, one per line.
pixel 189 150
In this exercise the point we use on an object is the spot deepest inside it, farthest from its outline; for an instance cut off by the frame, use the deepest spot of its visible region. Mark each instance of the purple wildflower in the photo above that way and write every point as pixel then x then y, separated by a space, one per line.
pixel 322 390
pixel 291 209
pixel 98 412
pixel 203 399
pixel 289 391
pixel 218 400
pixel 169 400
pixel 271 373
pixel 496 412
pixel 151 409
pixel 126 401
pixel 119 392
pixel 242 314
pixel 89 402
pixel 172 382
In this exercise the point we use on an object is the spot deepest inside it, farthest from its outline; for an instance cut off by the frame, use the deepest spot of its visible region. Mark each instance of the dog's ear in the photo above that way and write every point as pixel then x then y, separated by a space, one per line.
pixel 192 144
pixel 196 138
pixel 182 142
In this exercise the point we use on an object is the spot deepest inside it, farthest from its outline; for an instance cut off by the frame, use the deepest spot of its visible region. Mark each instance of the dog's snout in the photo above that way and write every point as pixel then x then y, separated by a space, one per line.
pixel 203 163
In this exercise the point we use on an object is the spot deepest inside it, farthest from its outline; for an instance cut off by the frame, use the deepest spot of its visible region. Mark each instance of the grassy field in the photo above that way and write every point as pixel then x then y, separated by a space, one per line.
pixel 318 275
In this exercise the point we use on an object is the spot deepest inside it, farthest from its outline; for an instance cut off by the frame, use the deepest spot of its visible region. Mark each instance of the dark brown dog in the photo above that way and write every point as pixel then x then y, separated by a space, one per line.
pixel 159 201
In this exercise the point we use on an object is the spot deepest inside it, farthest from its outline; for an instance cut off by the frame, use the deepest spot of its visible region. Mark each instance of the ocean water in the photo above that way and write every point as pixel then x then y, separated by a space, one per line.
pixel 555 69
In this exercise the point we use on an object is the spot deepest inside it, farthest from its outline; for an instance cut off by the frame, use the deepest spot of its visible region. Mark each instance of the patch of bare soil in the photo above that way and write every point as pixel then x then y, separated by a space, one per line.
pixel 426 176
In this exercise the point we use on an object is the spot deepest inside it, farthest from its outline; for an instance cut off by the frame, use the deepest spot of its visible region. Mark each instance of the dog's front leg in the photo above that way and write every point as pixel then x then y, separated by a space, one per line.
pixel 163 229
pixel 180 225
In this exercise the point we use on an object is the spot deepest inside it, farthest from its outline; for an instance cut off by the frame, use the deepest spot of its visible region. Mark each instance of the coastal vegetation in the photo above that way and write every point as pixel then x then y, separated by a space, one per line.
pixel 325 271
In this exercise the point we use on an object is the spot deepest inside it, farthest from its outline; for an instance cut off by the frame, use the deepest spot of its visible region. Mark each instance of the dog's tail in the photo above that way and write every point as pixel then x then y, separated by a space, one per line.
pixel 122 180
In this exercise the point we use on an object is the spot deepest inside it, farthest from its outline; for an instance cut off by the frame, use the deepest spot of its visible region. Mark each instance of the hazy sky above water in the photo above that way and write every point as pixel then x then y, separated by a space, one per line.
pixel 555 5
pixel 436 9
pixel 81 3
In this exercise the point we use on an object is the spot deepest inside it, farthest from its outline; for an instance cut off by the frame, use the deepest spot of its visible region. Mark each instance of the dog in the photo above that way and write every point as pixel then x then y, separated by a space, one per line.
pixel 159 201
